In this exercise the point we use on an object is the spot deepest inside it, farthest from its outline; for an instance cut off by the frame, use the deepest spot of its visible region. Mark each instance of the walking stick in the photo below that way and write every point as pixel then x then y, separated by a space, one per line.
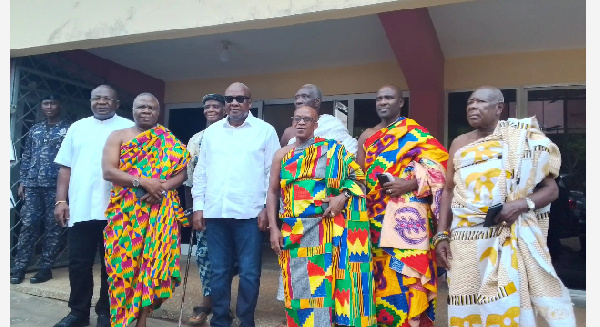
pixel 187 213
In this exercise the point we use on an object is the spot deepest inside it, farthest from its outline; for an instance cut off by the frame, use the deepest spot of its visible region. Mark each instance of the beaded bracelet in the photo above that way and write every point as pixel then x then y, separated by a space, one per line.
pixel 440 236
pixel 439 239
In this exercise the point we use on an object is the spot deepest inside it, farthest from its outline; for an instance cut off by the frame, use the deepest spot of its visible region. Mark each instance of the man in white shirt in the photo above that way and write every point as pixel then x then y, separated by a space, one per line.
pixel 229 191
pixel 329 127
pixel 80 175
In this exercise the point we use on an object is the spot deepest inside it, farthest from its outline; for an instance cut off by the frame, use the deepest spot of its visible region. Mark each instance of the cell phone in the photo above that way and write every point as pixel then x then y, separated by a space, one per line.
pixel 492 212
pixel 324 206
pixel 382 179
pixel 140 192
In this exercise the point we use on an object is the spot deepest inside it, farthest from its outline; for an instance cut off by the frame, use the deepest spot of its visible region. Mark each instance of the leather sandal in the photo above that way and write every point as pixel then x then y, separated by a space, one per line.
pixel 200 315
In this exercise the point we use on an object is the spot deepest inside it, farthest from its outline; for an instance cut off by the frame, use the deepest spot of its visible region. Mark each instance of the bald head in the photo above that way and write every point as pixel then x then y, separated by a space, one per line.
pixel 308 95
pixel 304 123
pixel 495 95
pixel 484 107
pixel 146 95
pixel 388 103
pixel 240 86
pixel 394 88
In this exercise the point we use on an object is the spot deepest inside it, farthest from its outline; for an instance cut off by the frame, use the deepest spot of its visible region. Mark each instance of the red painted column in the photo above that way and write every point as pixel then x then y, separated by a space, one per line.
pixel 413 38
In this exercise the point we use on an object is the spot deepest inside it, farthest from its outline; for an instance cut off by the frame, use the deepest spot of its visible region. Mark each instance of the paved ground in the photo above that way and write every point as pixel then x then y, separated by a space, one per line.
pixel 45 304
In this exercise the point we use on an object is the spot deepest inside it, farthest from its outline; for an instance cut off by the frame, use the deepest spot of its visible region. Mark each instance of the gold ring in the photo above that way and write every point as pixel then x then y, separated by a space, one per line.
pixel 389 191
pixel 332 215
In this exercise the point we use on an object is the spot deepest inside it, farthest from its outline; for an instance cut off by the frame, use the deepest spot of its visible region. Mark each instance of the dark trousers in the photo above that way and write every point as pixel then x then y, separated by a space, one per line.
pixel 228 238
pixel 86 239
pixel 38 210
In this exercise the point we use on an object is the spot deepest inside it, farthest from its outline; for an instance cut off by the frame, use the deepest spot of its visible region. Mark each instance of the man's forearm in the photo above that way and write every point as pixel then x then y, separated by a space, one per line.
pixel 176 181
pixel 445 210
pixel 62 183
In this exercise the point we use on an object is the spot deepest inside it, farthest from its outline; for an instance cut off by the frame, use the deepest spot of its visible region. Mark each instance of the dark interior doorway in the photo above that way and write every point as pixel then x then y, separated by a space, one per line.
pixel 184 123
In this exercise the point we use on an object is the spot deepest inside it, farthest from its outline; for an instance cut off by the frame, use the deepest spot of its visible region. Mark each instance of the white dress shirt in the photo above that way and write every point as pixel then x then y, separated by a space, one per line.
pixel 333 129
pixel 232 175
pixel 81 150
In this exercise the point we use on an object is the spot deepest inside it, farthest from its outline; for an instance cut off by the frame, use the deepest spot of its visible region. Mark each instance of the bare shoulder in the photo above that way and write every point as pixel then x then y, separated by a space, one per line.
pixel 282 151
pixel 460 141
pixel 366 134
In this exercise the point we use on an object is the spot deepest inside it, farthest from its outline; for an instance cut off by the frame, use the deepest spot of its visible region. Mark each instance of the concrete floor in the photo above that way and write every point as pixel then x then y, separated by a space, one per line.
pixel 45 304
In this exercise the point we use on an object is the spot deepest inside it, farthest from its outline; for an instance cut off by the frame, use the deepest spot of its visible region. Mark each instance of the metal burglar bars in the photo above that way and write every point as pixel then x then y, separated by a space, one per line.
pixel 35 77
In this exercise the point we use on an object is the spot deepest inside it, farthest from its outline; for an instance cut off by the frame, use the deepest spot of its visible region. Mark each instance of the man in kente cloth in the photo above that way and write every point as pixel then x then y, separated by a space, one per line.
pixel 405 272
pixel 145 164
pixel 500 273
pixel 324 252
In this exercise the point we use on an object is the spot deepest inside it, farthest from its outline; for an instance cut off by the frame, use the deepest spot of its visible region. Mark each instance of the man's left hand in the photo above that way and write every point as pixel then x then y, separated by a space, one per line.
pixel 336 205
pixel 263 221
pixel 511 211
pixel 400 186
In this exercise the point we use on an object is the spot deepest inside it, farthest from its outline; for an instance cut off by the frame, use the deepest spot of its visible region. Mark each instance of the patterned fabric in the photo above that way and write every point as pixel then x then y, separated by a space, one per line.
pixel 326 262
pixel 405 279
pixel 37 162
pixel 142 240
pixel 204 269
pixel 193 147
pixel 502 275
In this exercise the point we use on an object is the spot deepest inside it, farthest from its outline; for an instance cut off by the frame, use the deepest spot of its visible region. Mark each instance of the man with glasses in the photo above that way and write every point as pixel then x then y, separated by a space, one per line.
pixel 324 244
pixel 329 126
pixel 82 196
pixel 38 191
pixel 229 191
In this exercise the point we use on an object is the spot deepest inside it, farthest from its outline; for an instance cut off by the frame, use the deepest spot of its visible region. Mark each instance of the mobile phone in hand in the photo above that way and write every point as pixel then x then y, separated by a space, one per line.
pixel 382 179
pixel 492 212
pixel 140 192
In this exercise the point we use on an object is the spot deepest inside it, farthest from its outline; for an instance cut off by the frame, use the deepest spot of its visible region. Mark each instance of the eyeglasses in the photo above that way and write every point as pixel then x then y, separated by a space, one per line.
pixel 306 120
pixel 105 99
pixel 239 98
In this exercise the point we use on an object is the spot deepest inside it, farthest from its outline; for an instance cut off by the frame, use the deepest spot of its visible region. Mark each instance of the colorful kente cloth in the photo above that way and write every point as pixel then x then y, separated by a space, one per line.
pixel 405 279
pixel 142 240
pixel 499 276
pixel 326 262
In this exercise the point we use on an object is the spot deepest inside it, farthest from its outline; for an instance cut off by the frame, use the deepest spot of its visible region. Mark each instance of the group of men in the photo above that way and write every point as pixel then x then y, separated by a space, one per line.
pixel 359 227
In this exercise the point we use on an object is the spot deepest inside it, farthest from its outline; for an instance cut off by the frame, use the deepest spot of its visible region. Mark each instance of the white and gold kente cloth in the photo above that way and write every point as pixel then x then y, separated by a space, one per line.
pixel 503 276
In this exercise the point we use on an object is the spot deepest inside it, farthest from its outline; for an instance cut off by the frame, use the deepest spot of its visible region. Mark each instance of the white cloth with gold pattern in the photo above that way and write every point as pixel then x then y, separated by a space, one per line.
pixel 503 276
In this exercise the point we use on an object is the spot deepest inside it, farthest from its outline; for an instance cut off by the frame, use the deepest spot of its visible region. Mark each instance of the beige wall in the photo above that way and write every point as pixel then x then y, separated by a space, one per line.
pixel 516 69
pixel 76 24
pixel 332 81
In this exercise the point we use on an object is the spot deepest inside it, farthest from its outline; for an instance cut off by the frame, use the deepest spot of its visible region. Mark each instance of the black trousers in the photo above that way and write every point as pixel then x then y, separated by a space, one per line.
pixel 86 239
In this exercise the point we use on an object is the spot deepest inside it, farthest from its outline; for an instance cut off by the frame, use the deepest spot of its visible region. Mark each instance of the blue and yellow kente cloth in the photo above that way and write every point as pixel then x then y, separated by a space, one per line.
pixel 326 262
pixel 405 279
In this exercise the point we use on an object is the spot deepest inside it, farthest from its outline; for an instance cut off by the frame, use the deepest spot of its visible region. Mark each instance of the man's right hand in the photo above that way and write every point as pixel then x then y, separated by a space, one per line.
pixel 198 221
pixel 21 191
pixel 443 253
pixel 61 214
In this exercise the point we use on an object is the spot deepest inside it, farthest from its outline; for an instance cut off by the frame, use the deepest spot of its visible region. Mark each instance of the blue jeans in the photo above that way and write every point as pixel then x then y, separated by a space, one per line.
pixel 228 238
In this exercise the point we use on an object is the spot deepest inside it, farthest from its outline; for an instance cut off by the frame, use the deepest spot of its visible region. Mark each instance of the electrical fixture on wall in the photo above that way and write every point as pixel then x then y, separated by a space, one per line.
pixel 224 56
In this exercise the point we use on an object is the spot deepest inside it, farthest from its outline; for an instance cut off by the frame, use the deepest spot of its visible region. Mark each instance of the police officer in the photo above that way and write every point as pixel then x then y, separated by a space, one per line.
pixel 38 191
